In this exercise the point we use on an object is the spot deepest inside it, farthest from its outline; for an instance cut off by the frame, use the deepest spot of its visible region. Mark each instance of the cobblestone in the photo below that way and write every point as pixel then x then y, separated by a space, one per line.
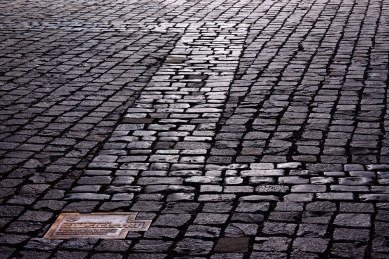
pixel 242 129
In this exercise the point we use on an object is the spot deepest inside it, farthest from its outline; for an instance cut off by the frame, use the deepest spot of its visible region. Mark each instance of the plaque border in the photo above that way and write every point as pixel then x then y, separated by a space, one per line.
pixel 122 235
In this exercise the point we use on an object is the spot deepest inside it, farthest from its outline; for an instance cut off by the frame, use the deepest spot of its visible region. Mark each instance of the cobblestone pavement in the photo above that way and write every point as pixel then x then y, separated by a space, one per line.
pixel 241 128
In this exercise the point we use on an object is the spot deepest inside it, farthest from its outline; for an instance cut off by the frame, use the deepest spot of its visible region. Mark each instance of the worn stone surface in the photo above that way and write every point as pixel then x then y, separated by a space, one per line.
pixel 232 245
pixel 242 129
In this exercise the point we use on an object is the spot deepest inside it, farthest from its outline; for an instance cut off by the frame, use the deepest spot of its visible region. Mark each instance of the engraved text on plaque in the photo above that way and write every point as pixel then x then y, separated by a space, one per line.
pixel 96 225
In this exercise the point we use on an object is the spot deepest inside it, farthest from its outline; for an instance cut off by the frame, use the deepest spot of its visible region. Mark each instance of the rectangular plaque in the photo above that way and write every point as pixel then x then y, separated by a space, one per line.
pixel 105 225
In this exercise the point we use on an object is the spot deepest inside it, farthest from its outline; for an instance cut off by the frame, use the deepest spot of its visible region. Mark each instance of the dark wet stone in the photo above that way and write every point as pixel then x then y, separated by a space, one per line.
pixel 378 167
pixel 272 189
pixel 314 245
pixel 82 206
pixel 33 189
pixel 33 254
pixel 284 216
pixel 147 206
pixel 367 174
pixel 303 172
pixel 349 250
pixel 324 167
pixel 149 197
pixel 272 244
pixel 171 220
pixel 240 230
pixel 382 216
pixel 200 231
pixel 95 180
pixel 312 230
pixel 321 206
pixel 43 244
pixel 269 255
pixel 125 188
pixel 84 244
pixel 351 234
pixel 262 173
pixel 290 165
pixel 97 172
pixel 176 197
pixel 87 196
pixel 4 221
pixel 69 255
pixel 115 205
pixel 261 180
pixel 186 173
pixel 160 180
pixel 189 246
pixel 217 207
pixel 106 255
pixel 228 256
pixel 12 239
pixel 253 207
pixel 217 197
pixel 54 194
pixel 322 180
pixel 289 206
pixel 374 197
pixel 356 207
pixel 232 245
pixel 210 218
pixel 353 167
pixel 41 216
pixel 276 228
pixel 380 244
pixel 4 192
pixel 382 205
pixel 293 180
pixel 335 196
pixel 86 188
pixel 350 188
pixel 10 211
pixel 316 217
pixel 355 181
pixel 203 179
pixel 181 207
pixel 5 251
pixel 152 246
pixel 296 254
pixel 259 198
pixel 353 220
pixel 161 233
pixel 168 188
pixel 24 226
pixel 146 256
pixel 298 197
pixel 379 256
pixel 122 196
pixel 247 217
pixel 381 228
pixel 308 188
pixel 191 145
pixel 113 245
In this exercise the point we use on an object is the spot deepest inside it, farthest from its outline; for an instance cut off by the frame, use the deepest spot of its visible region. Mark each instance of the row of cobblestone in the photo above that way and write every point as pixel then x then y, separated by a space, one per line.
pixel 287 180
pixel 289 214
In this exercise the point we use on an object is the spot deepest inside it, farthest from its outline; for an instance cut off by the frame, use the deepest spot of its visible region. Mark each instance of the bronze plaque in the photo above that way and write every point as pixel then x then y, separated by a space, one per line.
pixel 105 225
